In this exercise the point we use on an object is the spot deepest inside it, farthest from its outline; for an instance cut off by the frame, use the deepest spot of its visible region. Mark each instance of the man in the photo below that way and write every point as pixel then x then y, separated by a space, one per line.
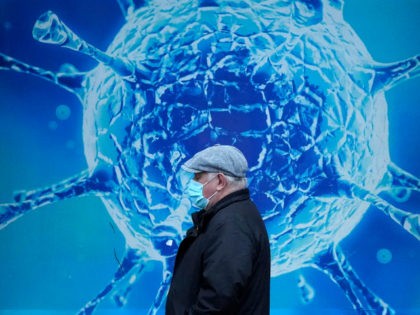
pixel 223 264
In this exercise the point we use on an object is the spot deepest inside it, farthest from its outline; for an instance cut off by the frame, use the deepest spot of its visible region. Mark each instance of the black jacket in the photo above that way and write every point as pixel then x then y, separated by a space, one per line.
pixel 223 264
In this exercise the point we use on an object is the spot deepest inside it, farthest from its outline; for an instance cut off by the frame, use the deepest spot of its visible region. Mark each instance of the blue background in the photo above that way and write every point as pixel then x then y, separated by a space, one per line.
pixel 58 257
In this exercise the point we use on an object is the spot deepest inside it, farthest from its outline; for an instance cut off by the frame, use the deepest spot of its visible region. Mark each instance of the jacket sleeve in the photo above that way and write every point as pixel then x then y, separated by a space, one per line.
pixel 227 267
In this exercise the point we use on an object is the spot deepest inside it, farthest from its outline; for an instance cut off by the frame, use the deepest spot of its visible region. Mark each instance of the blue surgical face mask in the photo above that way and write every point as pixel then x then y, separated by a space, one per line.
pixel 194 192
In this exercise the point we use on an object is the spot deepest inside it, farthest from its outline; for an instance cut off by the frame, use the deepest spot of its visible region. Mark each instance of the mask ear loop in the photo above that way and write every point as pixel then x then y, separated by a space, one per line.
pixel 209 182
pixel 217 174
pixel 213 195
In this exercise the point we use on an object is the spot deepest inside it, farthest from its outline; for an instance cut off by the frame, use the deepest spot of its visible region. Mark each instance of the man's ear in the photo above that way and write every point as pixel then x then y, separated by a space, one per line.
pixel 222 181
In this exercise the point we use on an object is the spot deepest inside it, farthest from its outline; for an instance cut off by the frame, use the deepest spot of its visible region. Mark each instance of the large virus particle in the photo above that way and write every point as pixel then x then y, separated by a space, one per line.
pixel 286 81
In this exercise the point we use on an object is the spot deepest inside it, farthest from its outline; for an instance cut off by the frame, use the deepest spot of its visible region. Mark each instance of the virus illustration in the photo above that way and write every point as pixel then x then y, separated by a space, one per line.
pixel 286 81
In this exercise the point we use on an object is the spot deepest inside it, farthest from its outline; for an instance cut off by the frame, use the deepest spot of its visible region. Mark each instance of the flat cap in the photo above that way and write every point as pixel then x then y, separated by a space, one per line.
pixel 224 159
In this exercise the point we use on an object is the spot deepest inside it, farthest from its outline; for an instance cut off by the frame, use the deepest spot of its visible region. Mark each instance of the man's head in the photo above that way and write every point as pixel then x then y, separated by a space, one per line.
pixel 221 169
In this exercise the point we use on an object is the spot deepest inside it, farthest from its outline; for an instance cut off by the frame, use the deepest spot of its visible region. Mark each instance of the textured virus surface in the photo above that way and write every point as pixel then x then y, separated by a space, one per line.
pixel 288 82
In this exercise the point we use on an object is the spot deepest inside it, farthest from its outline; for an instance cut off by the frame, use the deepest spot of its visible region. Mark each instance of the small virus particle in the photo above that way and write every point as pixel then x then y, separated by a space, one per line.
pixel 53 125
pixel 63 112
pixel 70 144
pixel 384 256
pixel 7 26
pixel 288 82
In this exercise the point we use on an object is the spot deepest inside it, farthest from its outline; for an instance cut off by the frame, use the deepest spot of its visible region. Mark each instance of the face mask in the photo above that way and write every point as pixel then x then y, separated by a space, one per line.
pixel 195 194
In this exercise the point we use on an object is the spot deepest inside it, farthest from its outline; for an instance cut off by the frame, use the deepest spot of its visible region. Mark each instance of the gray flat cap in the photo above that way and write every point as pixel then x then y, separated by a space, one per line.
pixel 224 159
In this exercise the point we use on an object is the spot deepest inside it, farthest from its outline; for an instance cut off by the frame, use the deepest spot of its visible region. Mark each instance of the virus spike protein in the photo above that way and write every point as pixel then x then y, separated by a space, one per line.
pixel 129 266
pixel 389 75
pixel 409 221
pixel 336 266
pixel 51 30
pixel 72 82
pixel 76 186
pixel 127 7
pixel 399 183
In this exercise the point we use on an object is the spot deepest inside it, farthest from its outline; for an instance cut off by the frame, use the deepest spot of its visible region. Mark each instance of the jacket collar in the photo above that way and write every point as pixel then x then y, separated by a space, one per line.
pixel 201 218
